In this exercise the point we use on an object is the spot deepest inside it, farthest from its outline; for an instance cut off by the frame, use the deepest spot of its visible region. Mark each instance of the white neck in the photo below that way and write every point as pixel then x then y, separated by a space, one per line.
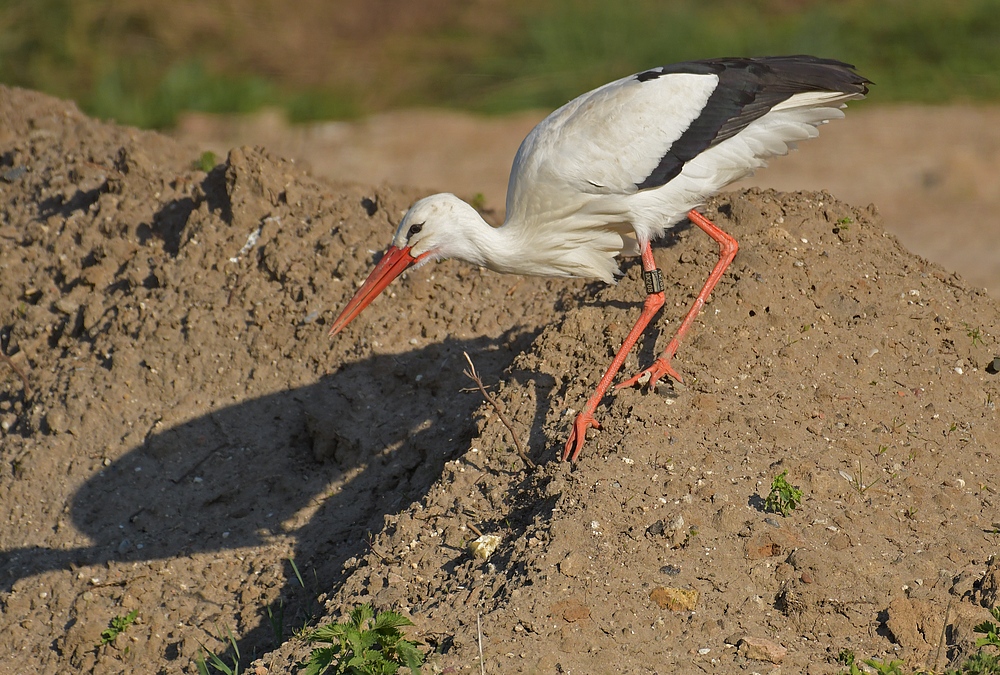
pixel 561 245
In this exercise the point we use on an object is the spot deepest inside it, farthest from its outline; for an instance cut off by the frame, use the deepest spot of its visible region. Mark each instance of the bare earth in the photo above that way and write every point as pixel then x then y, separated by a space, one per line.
pixel 184 430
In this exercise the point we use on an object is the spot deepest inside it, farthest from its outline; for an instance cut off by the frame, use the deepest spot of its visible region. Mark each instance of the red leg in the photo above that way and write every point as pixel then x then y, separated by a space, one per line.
pixel 585 420
pixel 727 251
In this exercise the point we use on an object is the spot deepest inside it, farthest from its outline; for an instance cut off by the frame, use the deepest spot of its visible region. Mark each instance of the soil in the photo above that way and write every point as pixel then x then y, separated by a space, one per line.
pixel 181 439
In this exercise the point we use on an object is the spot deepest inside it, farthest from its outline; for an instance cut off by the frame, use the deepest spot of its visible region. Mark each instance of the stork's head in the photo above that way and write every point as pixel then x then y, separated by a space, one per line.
pixel 427 232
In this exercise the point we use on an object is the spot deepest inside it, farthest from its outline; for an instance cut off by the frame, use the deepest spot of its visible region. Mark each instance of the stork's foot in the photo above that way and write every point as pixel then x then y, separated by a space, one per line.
pixel 578 436
pixel 651 375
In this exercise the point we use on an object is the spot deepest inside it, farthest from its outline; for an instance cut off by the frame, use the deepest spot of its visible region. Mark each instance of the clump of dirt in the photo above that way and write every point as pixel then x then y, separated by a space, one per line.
pixel 180 438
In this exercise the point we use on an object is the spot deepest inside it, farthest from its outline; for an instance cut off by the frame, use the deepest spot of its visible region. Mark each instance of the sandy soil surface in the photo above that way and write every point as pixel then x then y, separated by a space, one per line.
pixel 930 170
pixel 179 438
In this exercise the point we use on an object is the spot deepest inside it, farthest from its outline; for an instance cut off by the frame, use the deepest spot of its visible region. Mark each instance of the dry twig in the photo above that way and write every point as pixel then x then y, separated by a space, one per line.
pixel 371 545
pixel 474 376
pixel 944 633
pixel 479 631
pixel 20 373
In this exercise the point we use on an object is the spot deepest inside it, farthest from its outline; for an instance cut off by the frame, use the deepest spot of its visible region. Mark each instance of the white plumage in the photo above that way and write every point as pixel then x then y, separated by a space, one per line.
pixel 611 170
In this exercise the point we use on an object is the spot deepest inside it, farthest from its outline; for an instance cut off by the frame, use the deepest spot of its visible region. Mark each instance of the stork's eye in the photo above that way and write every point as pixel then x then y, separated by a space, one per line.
pixel 414 229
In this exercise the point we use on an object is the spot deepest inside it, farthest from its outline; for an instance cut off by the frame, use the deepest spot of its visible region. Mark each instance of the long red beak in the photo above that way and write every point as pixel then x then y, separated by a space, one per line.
pixel 392 264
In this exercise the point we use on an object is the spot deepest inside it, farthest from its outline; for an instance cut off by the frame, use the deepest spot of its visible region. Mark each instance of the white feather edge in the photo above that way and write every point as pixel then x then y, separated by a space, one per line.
pixel 774 134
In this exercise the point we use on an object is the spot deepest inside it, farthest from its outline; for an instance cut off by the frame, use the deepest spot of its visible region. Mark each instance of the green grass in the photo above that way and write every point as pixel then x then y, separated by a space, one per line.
pixel 123 62
pixel 123 92
pixel 115 66
pixel 914 50
pixel 117 626
pixel 213 662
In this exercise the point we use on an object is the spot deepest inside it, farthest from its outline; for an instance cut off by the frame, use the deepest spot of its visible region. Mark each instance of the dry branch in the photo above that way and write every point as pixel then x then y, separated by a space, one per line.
pixel 474 376
pixel 20 373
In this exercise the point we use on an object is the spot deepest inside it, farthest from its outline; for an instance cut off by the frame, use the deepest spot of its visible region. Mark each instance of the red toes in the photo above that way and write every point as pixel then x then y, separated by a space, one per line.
pixel 578 436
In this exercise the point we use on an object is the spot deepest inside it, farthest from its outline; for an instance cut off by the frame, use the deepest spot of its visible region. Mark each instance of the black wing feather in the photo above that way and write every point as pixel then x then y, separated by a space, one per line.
pixel 748 88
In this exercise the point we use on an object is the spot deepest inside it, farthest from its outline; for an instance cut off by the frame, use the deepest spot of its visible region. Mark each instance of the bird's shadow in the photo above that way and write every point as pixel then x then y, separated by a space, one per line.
pixel 321 464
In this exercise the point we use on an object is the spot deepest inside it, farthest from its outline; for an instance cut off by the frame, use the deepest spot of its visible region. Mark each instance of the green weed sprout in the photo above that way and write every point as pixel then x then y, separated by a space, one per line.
pixel 118 626
pixel 990 630
pixel 365 644
pixel 891 667
pixel 783 497
pixel 215 661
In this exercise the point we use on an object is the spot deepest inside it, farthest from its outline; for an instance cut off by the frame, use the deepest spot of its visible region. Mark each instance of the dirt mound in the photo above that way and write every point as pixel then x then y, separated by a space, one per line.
pixel 179 437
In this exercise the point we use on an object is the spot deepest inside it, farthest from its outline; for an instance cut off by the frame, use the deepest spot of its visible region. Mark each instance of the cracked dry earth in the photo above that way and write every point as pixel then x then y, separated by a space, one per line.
pixel 179 438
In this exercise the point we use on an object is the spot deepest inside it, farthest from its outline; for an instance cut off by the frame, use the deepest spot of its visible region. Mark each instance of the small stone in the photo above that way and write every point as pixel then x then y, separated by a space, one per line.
pixel 989 587
pixel 66 305
pixel 704 402
pixel 676 523
pixel 671 570
pixel 674 599
pixel 7 422
pixel 806 578
pixel 12 175
pixel 783 572
pixel 761 649
pixel 772 543
pixel 56 421
pixel 839 542
pixel 572 564
pixel 571 611
pixel 484 546
pixel 994 367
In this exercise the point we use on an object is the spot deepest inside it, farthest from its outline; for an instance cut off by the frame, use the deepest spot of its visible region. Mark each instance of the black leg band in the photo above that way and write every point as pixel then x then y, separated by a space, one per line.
pixel 653 280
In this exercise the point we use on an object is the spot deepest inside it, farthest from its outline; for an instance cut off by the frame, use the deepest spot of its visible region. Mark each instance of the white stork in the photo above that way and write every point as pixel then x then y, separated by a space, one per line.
pixel 613 169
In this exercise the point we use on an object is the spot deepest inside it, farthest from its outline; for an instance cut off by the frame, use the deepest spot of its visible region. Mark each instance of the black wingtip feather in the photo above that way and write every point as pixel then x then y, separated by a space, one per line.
pixel 797 72
pixel 748 88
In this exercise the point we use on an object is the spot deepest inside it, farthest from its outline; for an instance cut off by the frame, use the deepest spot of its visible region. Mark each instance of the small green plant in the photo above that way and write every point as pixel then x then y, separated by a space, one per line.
pixel 857 481
pixel 365 644
pixel 974 333
pixel 846 657
pixel 276 617
pixel 784 497
pixel 207 161
pixel 990 630
pixel 478 201
pixel 118 625
pixel 880 667
pixel 845 221
pixel 980 663
pixel 298 575
pixel 216 662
